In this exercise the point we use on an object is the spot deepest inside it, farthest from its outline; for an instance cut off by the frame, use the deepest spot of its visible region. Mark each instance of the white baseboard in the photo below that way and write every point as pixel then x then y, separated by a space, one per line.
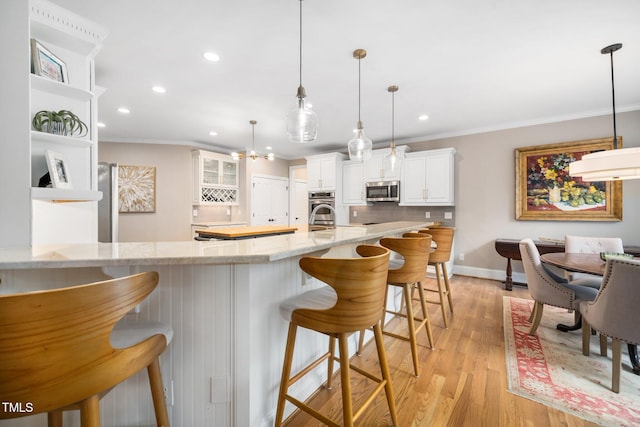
pixel 485 273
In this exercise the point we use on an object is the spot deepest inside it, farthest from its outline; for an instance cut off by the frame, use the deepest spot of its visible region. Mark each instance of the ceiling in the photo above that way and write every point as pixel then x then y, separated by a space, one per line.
pixel 470 65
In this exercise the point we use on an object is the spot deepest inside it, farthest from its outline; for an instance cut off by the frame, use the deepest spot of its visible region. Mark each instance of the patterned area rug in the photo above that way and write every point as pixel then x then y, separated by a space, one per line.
pixel 550 368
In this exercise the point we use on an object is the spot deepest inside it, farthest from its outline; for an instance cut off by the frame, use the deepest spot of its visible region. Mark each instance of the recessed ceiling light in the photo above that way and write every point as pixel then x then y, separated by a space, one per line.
pixel 158 89
pixel 123 110
pixel 213 133
pixel 423 117
pixel 100 124
pixel 268 147
pixel 210 56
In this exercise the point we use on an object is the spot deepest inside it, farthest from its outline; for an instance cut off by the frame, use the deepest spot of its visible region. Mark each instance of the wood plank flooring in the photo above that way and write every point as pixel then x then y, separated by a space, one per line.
pixel 463 381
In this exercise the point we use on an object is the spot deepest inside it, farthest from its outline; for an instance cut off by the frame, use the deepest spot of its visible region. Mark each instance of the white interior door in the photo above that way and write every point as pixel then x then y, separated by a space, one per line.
pixel 269 200
pixel 299 203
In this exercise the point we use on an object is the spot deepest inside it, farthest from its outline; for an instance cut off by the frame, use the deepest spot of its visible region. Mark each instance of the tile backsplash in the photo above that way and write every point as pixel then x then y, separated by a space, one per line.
pixel 387 211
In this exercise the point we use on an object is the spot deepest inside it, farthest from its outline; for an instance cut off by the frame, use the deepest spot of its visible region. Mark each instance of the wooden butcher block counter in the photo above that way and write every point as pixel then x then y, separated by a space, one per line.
pixel 247 232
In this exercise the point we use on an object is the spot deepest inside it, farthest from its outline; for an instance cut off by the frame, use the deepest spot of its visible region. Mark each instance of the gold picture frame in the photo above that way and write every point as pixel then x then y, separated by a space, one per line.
pixel 136 189
pixel 546 192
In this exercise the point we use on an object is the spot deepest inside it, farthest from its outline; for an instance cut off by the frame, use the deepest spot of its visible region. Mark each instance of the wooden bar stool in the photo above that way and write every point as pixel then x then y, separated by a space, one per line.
pixel 61 349
pixel 443 237
pixel 407 274
pixel 353 301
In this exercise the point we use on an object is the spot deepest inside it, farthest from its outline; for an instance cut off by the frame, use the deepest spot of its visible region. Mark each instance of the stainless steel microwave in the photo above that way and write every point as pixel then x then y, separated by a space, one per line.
pixel 382 191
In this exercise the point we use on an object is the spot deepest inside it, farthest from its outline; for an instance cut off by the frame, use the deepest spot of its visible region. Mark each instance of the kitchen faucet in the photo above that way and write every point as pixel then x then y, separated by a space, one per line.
pixel 312 217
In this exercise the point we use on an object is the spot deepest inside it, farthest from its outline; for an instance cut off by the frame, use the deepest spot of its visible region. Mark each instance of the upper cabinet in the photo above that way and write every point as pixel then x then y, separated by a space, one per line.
pixel 353 193
pixel 215 179
pixel 323 171
pixel 427 178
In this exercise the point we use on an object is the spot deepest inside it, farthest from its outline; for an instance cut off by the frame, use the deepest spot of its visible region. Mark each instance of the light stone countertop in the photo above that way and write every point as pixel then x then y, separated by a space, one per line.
pixel 259 250
pixel 218 223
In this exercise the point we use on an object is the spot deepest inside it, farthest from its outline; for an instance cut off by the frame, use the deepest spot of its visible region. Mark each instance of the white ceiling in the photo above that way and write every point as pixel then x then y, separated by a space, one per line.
pixel 471 65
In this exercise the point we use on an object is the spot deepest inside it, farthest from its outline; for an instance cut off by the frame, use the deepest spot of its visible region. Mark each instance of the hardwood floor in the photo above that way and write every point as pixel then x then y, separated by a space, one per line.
pixel 463 380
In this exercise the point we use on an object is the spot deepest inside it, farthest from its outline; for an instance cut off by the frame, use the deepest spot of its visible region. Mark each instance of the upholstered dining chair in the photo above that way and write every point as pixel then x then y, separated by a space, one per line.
pixel 590 245
pixel 545 287
pixel 353 300
pixel 614 312
pixel 64 349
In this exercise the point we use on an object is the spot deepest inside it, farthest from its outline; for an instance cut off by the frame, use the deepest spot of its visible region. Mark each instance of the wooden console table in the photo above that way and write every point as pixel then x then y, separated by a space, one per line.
pixel 510 249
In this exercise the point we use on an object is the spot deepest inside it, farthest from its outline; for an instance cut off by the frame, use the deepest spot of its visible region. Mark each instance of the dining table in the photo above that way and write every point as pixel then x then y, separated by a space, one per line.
pixel 590 264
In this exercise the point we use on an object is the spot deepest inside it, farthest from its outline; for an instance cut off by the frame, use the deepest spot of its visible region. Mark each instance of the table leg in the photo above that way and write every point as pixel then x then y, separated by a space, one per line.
pixel 574 327
pixel 508 281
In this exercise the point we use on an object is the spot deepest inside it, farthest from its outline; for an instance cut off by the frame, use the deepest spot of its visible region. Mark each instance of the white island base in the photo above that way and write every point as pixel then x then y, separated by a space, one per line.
pixel 223 366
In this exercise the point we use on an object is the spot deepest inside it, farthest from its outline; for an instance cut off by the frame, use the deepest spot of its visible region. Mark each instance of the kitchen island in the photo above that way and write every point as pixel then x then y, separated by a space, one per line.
pixel 221 298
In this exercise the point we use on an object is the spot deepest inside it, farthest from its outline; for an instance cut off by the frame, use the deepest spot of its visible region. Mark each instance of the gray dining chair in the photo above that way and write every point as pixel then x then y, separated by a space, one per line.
pixel 614 312
pixel 545 287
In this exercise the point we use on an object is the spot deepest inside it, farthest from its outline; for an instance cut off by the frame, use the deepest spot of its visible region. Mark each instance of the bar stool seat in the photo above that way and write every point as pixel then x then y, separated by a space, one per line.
pixel 443 237
pixel 64 349
pixel 353 300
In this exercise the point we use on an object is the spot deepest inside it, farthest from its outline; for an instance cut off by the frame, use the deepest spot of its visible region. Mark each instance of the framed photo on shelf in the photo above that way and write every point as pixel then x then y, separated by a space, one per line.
pixel 58 169
pixel 546 192
pixel 46 64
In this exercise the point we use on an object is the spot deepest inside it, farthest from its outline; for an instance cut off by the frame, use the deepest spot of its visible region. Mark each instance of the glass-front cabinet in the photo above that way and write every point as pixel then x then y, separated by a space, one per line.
pixel 215 179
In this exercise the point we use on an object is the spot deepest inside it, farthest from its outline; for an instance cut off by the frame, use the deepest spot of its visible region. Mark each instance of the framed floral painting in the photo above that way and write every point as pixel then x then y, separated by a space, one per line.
pixel 546 192
pixel 137 189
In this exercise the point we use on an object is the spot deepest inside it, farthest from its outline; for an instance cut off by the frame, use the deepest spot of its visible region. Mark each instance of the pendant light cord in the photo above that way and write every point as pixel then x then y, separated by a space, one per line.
pixel 359 90
pixel 300 42
pixel 393 119
pixel 613 97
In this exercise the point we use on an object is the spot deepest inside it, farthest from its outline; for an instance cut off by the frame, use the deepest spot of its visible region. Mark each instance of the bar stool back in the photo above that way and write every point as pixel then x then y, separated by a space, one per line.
pixel 352 301
pixel 443 237
pixel 57 348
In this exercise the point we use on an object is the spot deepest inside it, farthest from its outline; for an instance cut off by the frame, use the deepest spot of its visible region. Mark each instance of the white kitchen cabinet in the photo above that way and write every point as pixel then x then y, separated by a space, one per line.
pixel 323 171
pixel 215 179
pixel 29 214
pixel 427 178
pixel 374 167
pixel 353 193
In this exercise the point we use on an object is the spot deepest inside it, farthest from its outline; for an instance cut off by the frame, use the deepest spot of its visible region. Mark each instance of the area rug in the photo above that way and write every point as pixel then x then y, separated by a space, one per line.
pixel 549 368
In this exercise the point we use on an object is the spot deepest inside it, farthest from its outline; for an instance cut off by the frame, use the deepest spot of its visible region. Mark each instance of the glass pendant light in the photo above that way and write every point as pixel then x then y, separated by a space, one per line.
pixel 609 165
pixel 302 121
pixel 391 162
pixel 252 154
pixel 360 146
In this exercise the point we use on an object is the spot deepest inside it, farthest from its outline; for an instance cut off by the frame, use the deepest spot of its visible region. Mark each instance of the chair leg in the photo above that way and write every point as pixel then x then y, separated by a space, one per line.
pixel 90 412
pixel 286 373
pixel 406 293
pixel 157 393
pixel 360 342
pixel 616 347
pixel 345 378
pixel 447 286
pixel 603 345
pixel 332 352
pixel 441 293
pixel 586 337
pixel 386 375
pixel 425 313
pixel 533 313
pixel 54 419
pixel 539 307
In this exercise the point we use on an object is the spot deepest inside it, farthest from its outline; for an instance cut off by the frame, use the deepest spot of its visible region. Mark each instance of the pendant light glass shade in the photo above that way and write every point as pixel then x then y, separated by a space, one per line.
pixel 609 165
pixel 302 121
pixel 360 147
pixel 391 162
